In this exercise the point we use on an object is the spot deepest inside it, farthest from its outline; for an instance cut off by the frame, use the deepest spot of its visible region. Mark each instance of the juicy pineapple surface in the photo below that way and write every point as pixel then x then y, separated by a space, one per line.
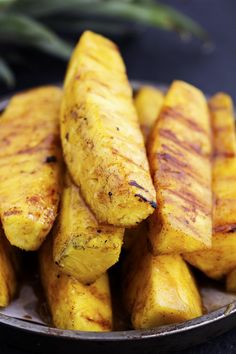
pixel 102 142
pixel 158 290
pixel 72 304
pixel 8 276
pixel 148 102
pixel 83 247
pixel 179 154
pixel 29 166
pixel 221 258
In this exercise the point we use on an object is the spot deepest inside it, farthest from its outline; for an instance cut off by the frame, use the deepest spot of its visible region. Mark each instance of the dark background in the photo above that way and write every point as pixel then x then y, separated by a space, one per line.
pixel 161 57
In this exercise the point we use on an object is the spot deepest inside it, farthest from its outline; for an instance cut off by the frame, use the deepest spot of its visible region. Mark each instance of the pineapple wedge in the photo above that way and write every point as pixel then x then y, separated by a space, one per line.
pixel 72 304
pixel 8 276
pixel 30 158
pixel 82 247
pixel 221 258
pixel 158 290
pixel 102 142
pixel 223 125
pixel 148 102
pixel 179 155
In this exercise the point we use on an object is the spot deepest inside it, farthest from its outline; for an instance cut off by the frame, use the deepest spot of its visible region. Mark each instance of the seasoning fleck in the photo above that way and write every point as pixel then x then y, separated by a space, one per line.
pixel 50 159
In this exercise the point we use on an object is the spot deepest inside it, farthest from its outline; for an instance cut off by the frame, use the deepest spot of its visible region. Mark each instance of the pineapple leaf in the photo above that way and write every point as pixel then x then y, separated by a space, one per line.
pixel 150 13
pixel 5 3
pixel 46 7
pixel 21 30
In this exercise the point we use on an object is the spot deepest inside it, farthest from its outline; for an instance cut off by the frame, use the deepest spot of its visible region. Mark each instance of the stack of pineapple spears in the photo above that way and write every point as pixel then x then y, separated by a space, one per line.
pixel 106 187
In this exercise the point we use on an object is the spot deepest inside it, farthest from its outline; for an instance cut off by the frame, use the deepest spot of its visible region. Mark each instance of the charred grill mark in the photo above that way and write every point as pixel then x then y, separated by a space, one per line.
pixel 225 154
pixel 135 184
pixel 116 152
pixel 12 211
pixel 143 199
pixel 172 113
pixel 173 164
pixel 168 134
pixel 51 141
pixel 227 228
pixel 8 137
pixel 51 159
pixel 191 211
pixel 192 200
pixel 33 199
pixel 183 220
pixel 47 142
pixel 189 225
pixel 171 150
pixel 182 175
pixel 196 148
pixel 172 160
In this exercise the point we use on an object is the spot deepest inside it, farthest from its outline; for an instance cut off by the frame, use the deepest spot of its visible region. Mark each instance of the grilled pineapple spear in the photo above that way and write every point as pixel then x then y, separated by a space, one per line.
pixel 179 155
pixel 102 142
pixel 221 258
pixel 72 304
pixel 158 290
pixel 82 247
pixel 8 277
pixel 148 102
pixel 29 166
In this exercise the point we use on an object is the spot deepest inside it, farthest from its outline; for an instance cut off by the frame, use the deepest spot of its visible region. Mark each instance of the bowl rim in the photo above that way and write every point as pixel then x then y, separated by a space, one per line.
pixel 133 335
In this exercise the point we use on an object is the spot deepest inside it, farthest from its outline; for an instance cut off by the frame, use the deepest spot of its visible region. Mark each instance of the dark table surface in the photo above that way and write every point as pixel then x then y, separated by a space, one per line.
pixel 159 56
